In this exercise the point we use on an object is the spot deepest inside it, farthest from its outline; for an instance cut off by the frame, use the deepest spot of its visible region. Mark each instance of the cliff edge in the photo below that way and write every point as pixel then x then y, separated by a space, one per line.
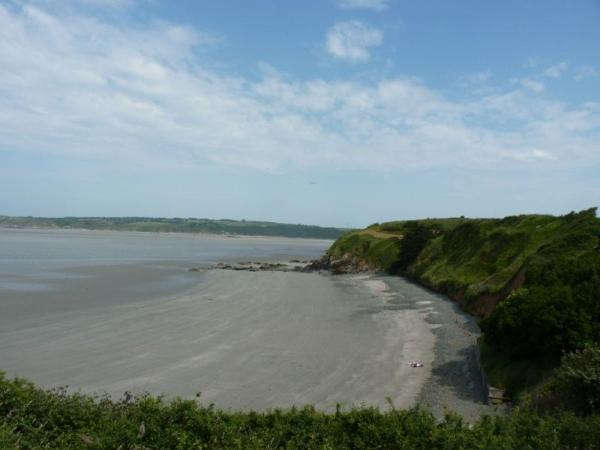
pixel 533 280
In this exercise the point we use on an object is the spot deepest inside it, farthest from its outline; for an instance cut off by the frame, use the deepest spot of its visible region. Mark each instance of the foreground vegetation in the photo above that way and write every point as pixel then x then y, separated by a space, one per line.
pixel 534 280
pixel 176 225
pixel 31 418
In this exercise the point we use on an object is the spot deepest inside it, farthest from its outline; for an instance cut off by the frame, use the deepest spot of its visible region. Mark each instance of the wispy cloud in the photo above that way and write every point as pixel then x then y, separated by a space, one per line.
pixel 73 5
pixel 375 5
pixel 531 84
pixel 479 77
pixel 533 155
pixel 79 87
pixel 557 70
pixel 352 40
pixel 581 73
pixel 536 82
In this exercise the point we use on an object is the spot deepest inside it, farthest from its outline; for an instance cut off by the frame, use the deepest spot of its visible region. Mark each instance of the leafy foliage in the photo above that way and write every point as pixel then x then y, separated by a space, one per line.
pixel 413 242
pixel 33 419
pixel 558 308
pixel 575 385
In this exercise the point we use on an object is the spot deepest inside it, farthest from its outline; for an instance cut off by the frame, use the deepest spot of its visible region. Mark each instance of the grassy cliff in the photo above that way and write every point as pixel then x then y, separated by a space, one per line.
pixel 534 280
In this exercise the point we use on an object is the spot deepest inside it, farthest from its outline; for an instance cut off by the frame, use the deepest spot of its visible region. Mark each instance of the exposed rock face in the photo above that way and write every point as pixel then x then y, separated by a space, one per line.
pixel 323 263
pixel 292 266
pixel 348 263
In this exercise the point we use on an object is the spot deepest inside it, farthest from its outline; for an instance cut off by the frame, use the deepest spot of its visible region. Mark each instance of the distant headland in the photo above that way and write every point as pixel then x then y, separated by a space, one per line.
pixel 175 225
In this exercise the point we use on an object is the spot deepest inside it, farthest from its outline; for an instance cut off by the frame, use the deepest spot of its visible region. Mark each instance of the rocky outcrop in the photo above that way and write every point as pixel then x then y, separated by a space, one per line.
pixel 291 266
pixel 348 263
pixel 323 263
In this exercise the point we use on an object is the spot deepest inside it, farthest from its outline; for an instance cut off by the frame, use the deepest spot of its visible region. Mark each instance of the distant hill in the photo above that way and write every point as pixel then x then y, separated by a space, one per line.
pixel 175 225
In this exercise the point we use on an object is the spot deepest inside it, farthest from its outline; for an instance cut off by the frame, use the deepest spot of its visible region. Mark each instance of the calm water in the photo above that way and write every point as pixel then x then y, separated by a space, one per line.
pixel 43 252
pixel 49 271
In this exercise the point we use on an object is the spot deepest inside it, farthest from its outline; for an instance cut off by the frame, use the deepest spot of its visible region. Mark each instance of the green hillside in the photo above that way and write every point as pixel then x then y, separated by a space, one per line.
pixel 534 280
pixel 175 225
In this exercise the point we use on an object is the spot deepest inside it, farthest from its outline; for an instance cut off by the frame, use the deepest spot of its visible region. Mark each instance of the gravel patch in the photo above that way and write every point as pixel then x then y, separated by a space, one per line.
pixel 453 381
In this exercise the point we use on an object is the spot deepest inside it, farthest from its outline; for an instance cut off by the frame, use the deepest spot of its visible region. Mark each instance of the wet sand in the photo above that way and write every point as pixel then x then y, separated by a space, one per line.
pixel 243 340
pixel 248 341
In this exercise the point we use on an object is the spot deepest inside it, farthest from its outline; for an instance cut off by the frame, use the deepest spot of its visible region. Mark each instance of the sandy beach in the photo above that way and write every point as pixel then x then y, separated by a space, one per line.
pixel 242 340
pixel 239 339
pixel 248 341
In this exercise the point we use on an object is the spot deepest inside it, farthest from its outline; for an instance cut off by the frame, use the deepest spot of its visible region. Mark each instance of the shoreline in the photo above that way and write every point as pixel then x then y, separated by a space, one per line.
pixel 167 233
pixel 297 349
pixel 123 312
pixel 372 302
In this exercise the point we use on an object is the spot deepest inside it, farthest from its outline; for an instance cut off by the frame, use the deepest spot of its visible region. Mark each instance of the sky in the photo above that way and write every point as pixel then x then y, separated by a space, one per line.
pixel 329 112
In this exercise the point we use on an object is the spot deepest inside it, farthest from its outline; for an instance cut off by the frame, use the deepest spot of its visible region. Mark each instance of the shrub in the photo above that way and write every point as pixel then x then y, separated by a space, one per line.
pixel 575 385
pixel 415 239
pixel 558 311
pixel 33 418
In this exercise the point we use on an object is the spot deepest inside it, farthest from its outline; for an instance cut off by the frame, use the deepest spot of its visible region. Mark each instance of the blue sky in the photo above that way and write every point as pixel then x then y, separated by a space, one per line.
pixel 333 112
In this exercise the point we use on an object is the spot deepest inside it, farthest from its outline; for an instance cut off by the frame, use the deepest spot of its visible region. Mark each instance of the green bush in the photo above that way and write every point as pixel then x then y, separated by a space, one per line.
pixel 415 239
pixel 34 419
pixel 557 311
pixel 574 386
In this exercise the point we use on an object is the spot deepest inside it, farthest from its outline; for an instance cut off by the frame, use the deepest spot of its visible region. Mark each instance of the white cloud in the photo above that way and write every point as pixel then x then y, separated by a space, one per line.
pixel 541 154
pixel 78 87
pixel 376 5
pixel 557 70
pixel 351 40
pixel 479 77
pixel 533 85
pixel 110 3
pixel 533 155
pixel 74 5
pixel 581 73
